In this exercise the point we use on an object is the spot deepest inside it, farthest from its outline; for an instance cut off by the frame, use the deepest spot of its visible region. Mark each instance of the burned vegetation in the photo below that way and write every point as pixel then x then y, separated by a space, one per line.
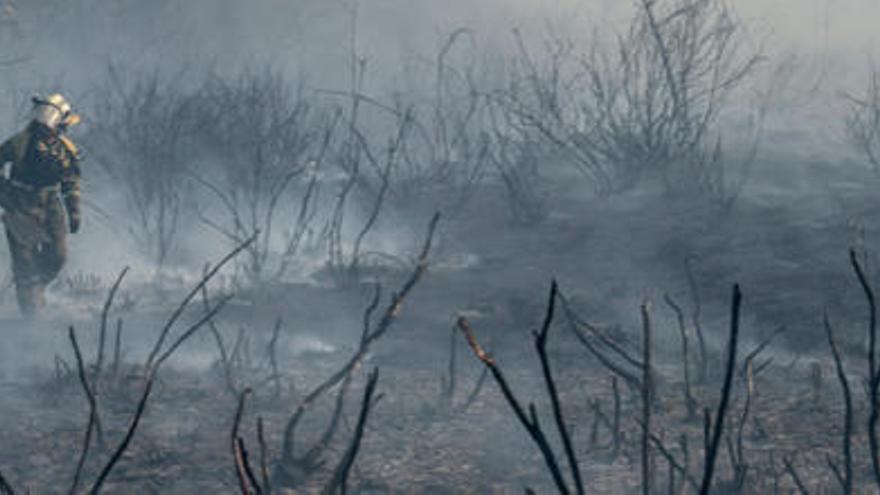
pixel 377 317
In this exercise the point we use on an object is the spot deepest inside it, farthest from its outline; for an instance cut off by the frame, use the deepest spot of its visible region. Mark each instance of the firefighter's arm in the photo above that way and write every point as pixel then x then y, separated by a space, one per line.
pixel 7 154
pixel 70 192
pixel 11 151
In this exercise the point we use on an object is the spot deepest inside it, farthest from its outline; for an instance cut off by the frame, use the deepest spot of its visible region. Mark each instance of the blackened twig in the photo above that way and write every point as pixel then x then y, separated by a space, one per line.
pixel 541 347
pixel 690 402
pixel 790 469
pixel 449 390
pixel 600 418
pixel 190 332
pixel 615 368
pixel 873 372
pixel 93 422
pixel 264 456
pixel 369 336
pixel 530 421
pixel 117 347
pixel 339 481
pixel 238 452
pixel 123 446
pixel 718 427
pixel 602 338
pixel 225 360
pixel 647 402
pixel 154 365
pixel 105 312
pixel 242 456
pixel 846 478
pixel 680 467
pixel 737 456
pixel 272 351
pixel 753 355
pixel 696 318
pixel 478 387
pixel 163 334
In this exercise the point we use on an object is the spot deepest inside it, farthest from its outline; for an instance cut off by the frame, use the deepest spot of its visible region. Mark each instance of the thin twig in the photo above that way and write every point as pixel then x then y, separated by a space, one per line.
pixel 873 372
pixel 369 336
pixel 117 347
pixel 123 446
pixel 102 336
pixel 789 467
pixel 153 369
pixel 715 440
pixel 449 389
pixel 696 319
pixel 846 479
pixel 478 387
pixel 629 377
pixel 680 467
pixel 541 347
pixel 272 351
pixel 529 421
pixel 195 290
pixel 264 455
pixel 647 402
pixel 93 412
pixel 690 402
pixel 339 481
pixel 237 447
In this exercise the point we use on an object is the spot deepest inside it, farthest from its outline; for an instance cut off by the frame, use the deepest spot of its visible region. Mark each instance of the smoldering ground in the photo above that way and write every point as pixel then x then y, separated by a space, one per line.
pixel 327 134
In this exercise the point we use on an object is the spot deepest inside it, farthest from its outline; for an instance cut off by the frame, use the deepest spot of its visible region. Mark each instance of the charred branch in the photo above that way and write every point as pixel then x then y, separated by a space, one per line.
pixel 105 311
pixel 529 421
pixel 339 481
pixel 647 402
pixel 846 477
pixel 370 334
pixel 94 422
pixel 873 372
pixel 550 383
pixel 713 442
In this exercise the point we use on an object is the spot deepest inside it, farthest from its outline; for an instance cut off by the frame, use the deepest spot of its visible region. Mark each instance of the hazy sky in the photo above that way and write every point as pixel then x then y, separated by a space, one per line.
pixel 80 36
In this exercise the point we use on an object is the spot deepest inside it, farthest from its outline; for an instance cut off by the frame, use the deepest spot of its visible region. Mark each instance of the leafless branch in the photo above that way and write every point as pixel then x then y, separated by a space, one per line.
pixel 529 421
pixel 713 442
pixel 94 422
pixel 846 479
pixel 550 383
pixel 99 362
pixel 339 481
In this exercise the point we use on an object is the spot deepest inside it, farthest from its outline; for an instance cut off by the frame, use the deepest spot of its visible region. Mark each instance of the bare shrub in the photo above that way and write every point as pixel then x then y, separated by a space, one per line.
pixel 647 104
pixel 863 121
pixel 142 138
pixel 450 149
pixel 263 142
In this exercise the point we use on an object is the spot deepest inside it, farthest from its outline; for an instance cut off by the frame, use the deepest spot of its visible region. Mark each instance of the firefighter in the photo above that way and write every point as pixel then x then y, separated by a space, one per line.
pixel 40 196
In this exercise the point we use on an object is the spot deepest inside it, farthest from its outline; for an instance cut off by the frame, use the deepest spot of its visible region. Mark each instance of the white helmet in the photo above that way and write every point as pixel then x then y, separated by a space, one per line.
pixel 54 111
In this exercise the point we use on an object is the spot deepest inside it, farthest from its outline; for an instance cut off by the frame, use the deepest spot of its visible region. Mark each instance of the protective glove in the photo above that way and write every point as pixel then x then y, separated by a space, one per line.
pixel 74 222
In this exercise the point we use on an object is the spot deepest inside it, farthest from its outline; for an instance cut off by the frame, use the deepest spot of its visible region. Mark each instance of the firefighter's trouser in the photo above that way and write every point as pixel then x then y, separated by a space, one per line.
pixel 37 235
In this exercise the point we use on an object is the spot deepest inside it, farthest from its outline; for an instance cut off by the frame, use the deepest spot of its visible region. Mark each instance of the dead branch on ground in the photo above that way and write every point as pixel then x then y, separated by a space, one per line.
pixel 370 334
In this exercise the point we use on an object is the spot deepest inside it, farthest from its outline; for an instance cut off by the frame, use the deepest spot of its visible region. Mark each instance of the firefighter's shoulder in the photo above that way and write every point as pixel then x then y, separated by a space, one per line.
pixel 15 147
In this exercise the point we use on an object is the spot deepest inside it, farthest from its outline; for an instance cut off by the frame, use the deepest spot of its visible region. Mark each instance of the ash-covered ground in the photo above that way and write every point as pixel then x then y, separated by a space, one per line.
pixel 322 139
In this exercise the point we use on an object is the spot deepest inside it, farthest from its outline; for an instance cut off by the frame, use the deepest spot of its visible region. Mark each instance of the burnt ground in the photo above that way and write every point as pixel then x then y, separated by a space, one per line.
pixel 785 242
